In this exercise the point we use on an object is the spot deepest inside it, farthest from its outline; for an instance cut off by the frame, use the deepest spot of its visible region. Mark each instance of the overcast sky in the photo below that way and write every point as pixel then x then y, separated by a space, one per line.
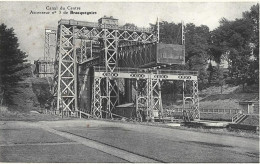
pixel 30 27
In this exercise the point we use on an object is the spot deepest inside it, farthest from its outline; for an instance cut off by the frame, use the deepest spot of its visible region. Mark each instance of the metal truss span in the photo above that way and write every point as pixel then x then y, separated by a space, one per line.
pixel 91 30
pixel 140 55
pixel 148 100
pixel 137 73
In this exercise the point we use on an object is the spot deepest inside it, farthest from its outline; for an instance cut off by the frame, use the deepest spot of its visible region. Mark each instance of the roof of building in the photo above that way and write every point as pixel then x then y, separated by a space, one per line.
pixel 248 102
pixel 111 17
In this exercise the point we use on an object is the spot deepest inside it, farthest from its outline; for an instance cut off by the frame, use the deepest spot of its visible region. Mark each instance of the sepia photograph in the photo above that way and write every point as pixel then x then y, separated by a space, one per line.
pixel 129 81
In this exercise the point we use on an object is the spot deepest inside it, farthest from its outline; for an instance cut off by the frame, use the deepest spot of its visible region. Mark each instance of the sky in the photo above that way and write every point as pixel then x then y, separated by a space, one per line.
pixel 30 28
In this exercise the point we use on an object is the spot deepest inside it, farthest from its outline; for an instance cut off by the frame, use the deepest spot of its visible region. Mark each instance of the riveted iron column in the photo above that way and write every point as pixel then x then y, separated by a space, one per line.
pixel 154 98
pixel 97 100
pixel 111 51
pixel 67 71
pixel 141 98
pixel 195 94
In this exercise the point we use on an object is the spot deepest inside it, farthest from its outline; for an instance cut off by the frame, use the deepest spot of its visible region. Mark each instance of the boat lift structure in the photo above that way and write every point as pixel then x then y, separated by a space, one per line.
pixel 99 66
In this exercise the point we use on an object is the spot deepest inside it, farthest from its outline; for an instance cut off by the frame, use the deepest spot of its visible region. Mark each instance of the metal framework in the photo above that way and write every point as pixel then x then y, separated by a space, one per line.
pixel 142 103
pixel 154 99
pixel 86 50
pixel 119 47
pixel 137 55
pixel 148 90
pixel 66 75
pixel 48 43
pixel 66 59
pixel 193 113
pixel 45 65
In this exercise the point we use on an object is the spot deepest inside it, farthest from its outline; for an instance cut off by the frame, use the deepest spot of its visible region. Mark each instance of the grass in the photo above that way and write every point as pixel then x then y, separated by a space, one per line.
pixel 220 131
pixel 237 96
pixel 224 131
pixel 7 115
pixel 226 89
pixel 251 120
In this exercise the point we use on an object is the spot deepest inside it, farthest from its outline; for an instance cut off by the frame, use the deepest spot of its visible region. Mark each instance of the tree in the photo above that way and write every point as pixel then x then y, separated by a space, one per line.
pixel 253 17
pixel 197 41
pixel 239 40
pixel 170 33
pixel 197 45
pixel 11 62
pixel 130 26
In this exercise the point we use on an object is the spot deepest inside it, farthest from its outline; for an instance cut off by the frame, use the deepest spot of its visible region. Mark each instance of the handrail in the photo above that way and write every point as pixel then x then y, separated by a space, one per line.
pixel 235 117
pixel 230 111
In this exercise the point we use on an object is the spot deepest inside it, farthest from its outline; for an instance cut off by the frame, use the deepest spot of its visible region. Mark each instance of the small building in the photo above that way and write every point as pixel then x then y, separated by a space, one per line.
pixel 249 107
pixel 44 68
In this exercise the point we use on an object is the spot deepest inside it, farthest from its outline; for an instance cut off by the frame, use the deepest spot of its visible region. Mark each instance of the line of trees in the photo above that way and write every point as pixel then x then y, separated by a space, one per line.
pixel 235 41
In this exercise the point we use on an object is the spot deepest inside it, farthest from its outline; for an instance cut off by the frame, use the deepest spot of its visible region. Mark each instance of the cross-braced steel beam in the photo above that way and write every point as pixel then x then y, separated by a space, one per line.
pixel 195 94
pixel 140 55
pixel 142 103
pixel 85 50
pixel 97 99
pixel 192 112
pixel 154 99
pixel 67 71
pixel 148 100
pixel 90 33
